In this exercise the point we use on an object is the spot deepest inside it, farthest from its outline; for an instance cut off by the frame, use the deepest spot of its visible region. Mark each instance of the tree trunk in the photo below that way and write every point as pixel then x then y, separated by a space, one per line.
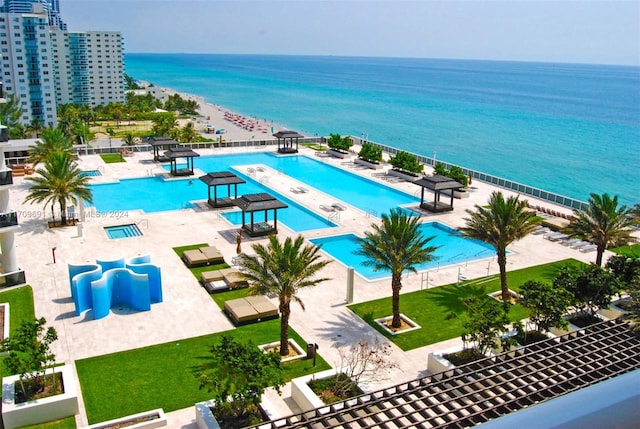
pixel 284 329
pixel 599 253
pixel 396 285
pixel 502 263
pixel 63 212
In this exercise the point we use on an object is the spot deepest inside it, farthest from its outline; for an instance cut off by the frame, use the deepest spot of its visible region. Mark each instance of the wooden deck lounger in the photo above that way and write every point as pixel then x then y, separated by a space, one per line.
pixel 222 280
pixel 203 256
pixel 250 309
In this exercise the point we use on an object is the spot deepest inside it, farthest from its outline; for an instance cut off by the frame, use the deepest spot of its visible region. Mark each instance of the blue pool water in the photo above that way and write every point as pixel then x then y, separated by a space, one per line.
pixel 91 173
pixel 454 249
pixel 122 231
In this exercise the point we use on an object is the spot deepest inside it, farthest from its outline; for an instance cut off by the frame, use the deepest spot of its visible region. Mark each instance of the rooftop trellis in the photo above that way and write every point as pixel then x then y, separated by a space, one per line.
pixel 487 389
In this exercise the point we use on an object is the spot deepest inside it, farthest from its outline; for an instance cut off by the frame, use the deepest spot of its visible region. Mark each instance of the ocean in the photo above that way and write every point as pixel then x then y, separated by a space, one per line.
pixel 571 129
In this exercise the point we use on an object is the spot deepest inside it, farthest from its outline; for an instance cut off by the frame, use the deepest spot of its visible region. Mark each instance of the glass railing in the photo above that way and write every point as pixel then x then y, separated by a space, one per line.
pixel 6 178
pixel 14 278
pixel 8 219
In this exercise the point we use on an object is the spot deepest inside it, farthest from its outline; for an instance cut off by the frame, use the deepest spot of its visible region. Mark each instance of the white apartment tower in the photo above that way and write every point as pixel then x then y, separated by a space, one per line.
pixel 27 64
pixel 88 66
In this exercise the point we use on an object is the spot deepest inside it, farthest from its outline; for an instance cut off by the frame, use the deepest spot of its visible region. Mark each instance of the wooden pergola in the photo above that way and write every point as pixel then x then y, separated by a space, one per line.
pixel 286 140
pixel 176 153
pixel 160 145
pixel 262 202
pixel 437 184
pixel 222 178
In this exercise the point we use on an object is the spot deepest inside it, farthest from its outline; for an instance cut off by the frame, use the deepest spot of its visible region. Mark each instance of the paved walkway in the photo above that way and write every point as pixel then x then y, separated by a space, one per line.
pixel 188 311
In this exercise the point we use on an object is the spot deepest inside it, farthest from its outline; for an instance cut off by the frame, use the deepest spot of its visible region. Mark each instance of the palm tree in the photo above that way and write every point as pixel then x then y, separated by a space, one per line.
pixel 188 134
pixel 53 140
pixel 283 269
pixel 500 223
pixel 603 223
pixel 60 181
pixel 397 246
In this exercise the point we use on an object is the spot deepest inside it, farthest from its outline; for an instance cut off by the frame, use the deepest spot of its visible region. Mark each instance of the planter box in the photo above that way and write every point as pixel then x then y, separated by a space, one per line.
pixel 437 363
pixel 371 165
pixel 302 394
pixel 338 154
pixel 406 176
pixel 206 420
pixel 458 193
pixel 154 419
pixel 39 410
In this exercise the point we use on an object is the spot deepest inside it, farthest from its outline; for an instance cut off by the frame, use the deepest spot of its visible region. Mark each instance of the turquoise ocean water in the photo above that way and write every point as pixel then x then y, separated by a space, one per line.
pixel 566 128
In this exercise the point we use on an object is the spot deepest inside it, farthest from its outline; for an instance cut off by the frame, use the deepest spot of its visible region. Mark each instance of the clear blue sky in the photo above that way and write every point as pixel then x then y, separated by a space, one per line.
pixel 583 31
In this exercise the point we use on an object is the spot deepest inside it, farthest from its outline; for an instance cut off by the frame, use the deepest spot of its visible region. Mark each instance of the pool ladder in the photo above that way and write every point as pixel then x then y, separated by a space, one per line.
pixel 371 212
pixel 334 216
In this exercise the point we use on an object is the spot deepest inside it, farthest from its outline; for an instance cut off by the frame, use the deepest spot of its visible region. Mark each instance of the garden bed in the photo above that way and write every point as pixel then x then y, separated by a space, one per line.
pixel 147 420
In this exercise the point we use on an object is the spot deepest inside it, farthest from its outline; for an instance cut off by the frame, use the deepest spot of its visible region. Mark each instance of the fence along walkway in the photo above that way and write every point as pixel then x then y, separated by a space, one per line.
pixel 494 180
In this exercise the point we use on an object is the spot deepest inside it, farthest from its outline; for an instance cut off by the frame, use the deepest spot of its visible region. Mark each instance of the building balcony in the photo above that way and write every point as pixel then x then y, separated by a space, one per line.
pixel 8 219
pixel 12 279
pixel 6 176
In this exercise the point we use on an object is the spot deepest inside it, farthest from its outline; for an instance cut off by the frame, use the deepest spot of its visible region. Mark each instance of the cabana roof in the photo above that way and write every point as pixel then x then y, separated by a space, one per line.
pixel 287 134
pixel 220 178
pixel 181 152
pixel 438 183
pixel 259 202
pixel 162 142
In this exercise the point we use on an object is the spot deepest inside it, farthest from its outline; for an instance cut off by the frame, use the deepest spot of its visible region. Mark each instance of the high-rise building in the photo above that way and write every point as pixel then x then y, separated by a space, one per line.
pixel 88 66
pixel 27 64
pixel 50 7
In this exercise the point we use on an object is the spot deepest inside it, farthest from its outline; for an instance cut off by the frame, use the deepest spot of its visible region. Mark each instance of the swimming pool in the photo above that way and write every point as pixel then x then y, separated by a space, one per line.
pixel 454 249
pixel 154 194
pixel 122 231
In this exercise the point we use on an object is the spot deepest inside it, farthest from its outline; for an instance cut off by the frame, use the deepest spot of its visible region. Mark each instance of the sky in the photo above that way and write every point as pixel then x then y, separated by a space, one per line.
pixel 583 31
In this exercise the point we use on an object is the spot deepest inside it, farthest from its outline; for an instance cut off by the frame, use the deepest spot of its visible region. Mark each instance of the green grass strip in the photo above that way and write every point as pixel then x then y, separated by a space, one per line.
pixel 67 423
pixel 110 158
pixel 440 312
pixel 21 310
pixel 630 251
pixel 164 375
pixel 197 271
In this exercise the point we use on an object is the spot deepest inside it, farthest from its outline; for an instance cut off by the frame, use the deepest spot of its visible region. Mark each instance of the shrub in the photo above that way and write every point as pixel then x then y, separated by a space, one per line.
pixel 370 152
pixel 456 173
pixel 339 143
pixel 406 161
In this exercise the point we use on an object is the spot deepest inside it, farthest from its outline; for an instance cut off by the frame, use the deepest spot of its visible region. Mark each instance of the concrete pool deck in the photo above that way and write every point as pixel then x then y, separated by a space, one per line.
pixel 187 310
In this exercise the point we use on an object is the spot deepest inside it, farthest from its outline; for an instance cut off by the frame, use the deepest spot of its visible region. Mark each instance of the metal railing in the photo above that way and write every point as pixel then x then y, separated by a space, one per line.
pixel 489 178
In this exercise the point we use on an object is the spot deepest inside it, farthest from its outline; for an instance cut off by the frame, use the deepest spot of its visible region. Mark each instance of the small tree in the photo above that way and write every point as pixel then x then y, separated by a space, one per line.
pixel 339 143
pixel 487 319
pixel 237 375
pixel 30 354
pixel 591 287
pixel 362 359
pixel 625 269
pixel 370 152
pixel 547 304
pixel 406 161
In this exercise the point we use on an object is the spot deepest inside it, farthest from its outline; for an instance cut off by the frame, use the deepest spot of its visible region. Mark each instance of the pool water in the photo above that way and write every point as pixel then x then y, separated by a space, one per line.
pixel 91 173
pixel 122 231
pixel 454 249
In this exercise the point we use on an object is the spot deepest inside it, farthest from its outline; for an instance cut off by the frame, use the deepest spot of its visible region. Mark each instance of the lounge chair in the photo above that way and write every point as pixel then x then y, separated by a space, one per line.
pixel 569 242
pixel 250 309
pixel 579 244
pixel 541 230
pixel 327 208
pixel 556 236
pixel 202 256
pixel 339 206
pixel 589 248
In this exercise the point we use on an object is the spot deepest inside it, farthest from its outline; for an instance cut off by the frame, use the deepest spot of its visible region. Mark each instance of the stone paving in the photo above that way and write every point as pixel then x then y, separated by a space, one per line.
pixel 187 309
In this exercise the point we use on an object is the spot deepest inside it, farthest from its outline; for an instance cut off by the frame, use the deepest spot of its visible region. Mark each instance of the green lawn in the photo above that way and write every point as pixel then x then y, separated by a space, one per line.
pixel 163 376
pixel 439 311
pixel 631 250
pixel 68 423
pixel 110 158
pixel 20 310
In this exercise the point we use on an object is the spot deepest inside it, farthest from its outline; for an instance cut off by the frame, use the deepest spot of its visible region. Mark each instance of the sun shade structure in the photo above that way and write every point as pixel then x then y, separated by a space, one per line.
pixel 161 144
pixel 222 178
pixel 262 202
pixel 487 389
pixel 286 140
pixel 176 153
pixel 437 184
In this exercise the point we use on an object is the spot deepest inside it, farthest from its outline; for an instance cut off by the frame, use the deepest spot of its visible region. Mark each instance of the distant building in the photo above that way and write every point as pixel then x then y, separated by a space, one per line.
pixel 89 66
pixel 50 7
pixel 27 64
pixel 44 65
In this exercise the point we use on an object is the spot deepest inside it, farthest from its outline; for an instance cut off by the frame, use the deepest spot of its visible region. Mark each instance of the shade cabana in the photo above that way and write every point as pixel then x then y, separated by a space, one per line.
pixel 160 145
pixel 437 184
pixel 286 141
pixel 221 179
pixel 256 203
pixel 176 153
